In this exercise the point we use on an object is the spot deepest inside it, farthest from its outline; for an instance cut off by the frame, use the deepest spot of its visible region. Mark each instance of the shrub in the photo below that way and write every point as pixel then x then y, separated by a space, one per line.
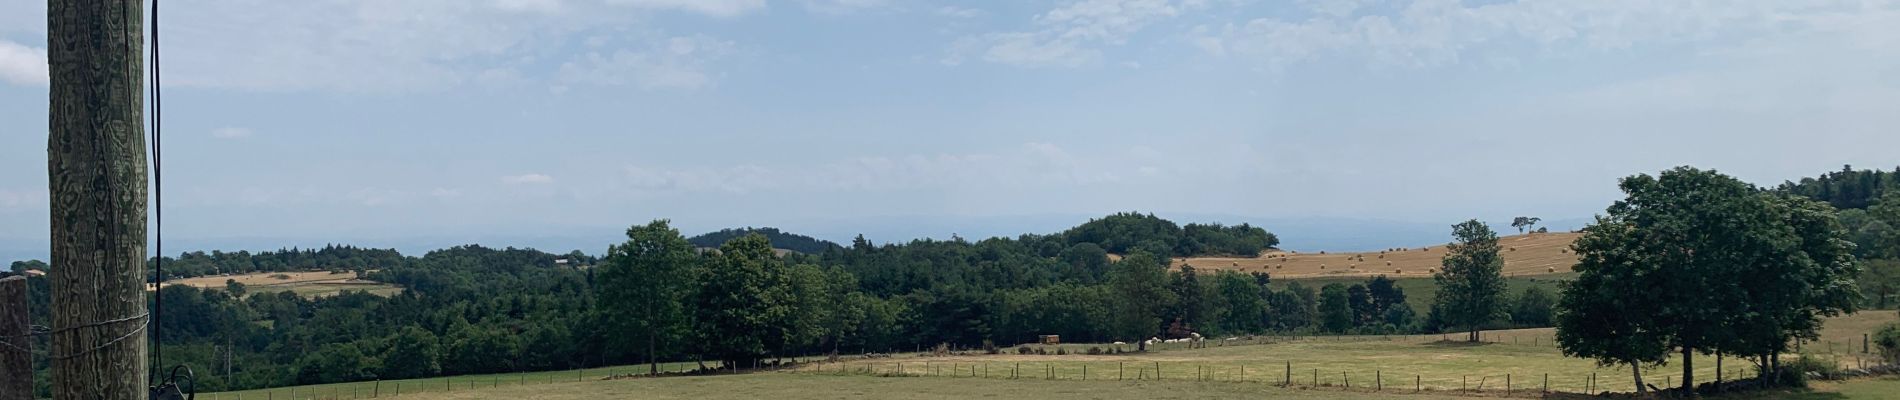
pixel 989 346
pixel 1888 338
pixel 1022 350
pixel 1798 370
pixel 1095 351
pixel 1042 351
pixel 1061 352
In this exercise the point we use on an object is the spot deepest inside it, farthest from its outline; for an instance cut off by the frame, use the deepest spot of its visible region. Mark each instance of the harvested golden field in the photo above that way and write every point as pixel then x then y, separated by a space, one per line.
pixel 1524 255
pixel 307 284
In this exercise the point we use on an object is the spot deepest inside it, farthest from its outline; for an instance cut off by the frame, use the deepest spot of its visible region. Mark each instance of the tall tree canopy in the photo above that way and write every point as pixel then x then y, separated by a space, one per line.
pixel 1701 262
pixel 641 283
pixel 1471 284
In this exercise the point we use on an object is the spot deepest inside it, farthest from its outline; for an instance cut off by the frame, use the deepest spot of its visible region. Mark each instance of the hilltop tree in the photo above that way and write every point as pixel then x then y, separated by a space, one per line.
pixel 640 285
pixel 1471 284
pixel 1523 223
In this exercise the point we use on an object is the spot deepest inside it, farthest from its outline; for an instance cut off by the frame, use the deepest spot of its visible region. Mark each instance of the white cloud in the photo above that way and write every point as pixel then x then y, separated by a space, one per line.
pixel 22 65
pixel 530 178
pixel 678 62
pixel 231 133
pixel 1067 36
pixel 356 46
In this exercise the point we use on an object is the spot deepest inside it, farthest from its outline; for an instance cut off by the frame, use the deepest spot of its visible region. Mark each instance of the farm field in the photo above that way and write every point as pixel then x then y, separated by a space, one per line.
pixel 1524 255
pixel 1523 357
pixel 309 284
pixel 485 384
pixel 1322 367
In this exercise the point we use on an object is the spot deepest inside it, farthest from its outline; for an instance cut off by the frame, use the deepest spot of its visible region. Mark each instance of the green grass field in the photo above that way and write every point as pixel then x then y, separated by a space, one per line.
pixel 781 385
pixel 1420 291
pixel 315 290
pixel 444 385
pixel 1322 367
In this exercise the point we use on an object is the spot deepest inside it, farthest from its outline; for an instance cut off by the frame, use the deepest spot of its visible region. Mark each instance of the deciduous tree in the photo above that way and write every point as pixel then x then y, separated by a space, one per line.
pixel 1471 283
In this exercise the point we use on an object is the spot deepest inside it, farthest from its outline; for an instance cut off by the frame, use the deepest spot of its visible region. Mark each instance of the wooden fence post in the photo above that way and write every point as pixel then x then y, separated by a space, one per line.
pixel 16 356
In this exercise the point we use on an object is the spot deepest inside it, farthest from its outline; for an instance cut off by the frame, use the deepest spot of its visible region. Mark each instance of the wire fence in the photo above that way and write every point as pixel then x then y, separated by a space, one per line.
pixel 1286 374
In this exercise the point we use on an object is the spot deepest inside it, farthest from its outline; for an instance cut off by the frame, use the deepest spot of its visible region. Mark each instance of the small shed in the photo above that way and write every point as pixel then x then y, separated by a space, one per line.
pixel 1049 339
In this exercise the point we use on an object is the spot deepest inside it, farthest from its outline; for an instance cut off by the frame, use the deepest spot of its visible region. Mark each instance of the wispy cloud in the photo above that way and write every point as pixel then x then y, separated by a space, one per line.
pixel 530 178
pixel 678 62
pixel 1066 36
pixel 22 65
pixel 1426 33
pixel 717 8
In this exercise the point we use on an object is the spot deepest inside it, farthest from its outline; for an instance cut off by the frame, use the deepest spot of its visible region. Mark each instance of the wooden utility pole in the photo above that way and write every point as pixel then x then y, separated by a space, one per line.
pixel 96 170
pixel 16 357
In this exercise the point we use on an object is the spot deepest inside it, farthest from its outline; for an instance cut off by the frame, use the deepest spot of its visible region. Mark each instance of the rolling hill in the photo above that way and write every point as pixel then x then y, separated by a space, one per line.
pixel 1524 255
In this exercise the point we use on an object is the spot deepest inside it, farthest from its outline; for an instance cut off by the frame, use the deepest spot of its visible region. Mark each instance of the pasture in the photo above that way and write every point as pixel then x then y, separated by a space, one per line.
pixel 1322 367
pixel 309 284
pixel 1524 255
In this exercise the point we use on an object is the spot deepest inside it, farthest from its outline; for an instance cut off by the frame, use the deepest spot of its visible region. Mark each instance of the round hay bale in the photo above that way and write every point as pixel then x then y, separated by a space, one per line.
pixel 1553 269
pixel 1431 270
pixel 1322 266
pixel 1388 263
pixel 1400 271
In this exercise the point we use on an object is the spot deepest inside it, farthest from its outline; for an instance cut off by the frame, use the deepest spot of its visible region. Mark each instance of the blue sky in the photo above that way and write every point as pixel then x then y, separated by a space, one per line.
pixel 559 122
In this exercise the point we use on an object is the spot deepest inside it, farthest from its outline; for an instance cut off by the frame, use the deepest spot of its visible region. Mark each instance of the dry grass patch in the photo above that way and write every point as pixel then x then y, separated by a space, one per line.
pixel 1524 255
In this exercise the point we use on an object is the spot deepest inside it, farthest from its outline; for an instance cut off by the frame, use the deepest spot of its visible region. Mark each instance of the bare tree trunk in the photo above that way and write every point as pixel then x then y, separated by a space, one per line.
pixel 96 173
pixel 1688 371
pixel 1636 373
pixel 16 363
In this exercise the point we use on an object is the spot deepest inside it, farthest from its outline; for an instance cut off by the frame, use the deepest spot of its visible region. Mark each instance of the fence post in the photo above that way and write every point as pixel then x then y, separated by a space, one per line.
pixel 1418 383
pixel 1378 377
pixel 15 356
pixel 1507 384
pixel 1546 383
pixel 376 391
pixel 1119 366
pixel 1288 382
pixel 1157 370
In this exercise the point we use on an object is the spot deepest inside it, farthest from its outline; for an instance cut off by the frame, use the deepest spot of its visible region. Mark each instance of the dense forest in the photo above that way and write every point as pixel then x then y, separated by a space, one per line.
pixel 474 309
pixel 1848 188
pixel 780 239
pixel 465 305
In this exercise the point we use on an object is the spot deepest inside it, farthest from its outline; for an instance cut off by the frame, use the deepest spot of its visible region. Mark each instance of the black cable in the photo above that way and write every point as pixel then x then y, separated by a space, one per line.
pixel 158 201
